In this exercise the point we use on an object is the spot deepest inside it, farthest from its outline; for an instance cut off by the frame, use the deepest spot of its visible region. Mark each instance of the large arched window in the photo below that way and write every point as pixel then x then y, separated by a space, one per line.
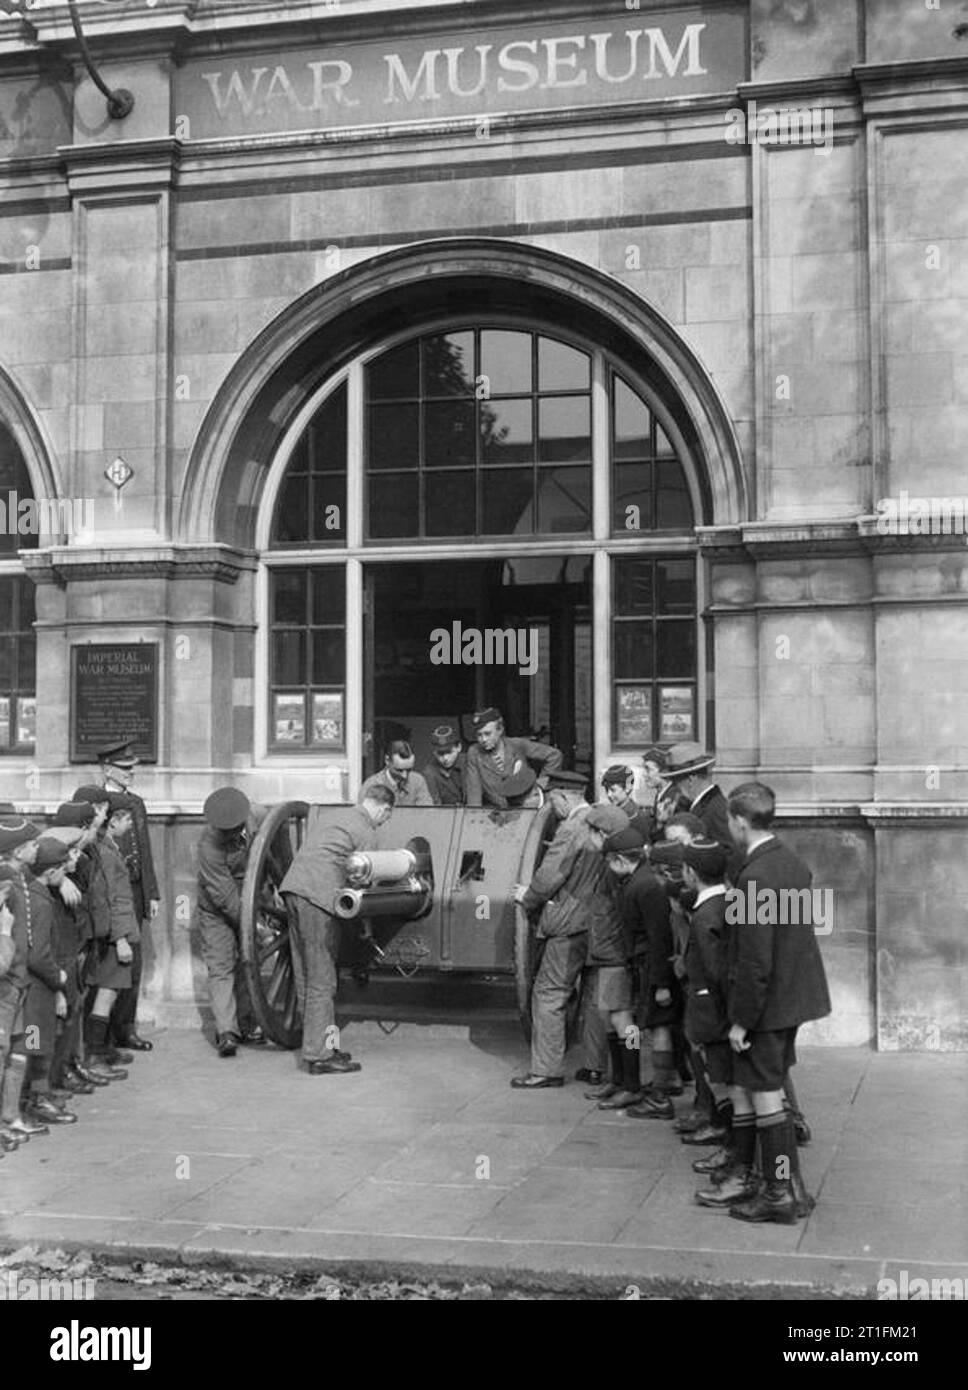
pixel 18 645
pixel 465 442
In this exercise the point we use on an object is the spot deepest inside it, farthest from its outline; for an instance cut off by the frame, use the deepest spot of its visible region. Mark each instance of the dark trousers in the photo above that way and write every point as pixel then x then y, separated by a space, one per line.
pixel 124 1015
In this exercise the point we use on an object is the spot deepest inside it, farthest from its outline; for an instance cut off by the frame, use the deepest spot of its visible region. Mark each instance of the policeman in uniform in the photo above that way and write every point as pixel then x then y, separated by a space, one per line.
pixel 117 763
pixel 497 757
pixel 446 774
pixel 223 853
pixel 316 875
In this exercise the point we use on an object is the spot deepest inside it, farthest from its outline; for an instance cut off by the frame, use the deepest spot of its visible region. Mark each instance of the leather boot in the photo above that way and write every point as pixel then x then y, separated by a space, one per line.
pixel 775 1202
pixel 716 1164
pixel 614 1085
pixel 631 1092
pixel 739 1185
pixel 90 1073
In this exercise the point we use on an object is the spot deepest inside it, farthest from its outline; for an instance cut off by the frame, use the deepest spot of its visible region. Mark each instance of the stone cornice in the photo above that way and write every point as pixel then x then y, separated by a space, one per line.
pixel 64 565
pixel 781 540
pixel 121 165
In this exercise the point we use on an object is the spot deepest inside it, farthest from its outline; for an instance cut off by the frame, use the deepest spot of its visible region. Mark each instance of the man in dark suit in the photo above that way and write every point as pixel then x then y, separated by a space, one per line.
pixel 117 773
pixel 315 876
pixel 688 768
pixel 776 981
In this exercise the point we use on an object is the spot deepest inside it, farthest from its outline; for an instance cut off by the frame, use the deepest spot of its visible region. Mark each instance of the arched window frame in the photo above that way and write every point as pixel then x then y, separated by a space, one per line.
pixel 600 543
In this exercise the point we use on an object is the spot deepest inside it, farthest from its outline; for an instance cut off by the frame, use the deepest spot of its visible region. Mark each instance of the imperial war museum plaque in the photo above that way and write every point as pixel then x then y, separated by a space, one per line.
pixel 114 694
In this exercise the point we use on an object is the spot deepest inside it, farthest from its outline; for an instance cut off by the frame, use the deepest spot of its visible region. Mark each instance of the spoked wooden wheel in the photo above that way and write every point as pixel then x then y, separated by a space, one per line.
pixel 266 946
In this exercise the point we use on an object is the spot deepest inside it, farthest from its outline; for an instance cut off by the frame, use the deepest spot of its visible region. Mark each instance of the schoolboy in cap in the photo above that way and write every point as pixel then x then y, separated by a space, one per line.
pixel 617 782
pixel 495 757
pixel 567 893
pixel 13 983
pixel 118 762
pixel 776 982
pixel 645 912
pixel 445 774
pixel 397 775
pixel 115 927
pixel 46 1000
pixel 223 852
pixel 73 933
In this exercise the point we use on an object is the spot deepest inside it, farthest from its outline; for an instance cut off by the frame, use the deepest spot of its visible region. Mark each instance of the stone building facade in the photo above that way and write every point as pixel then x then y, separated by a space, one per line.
pixel 369 318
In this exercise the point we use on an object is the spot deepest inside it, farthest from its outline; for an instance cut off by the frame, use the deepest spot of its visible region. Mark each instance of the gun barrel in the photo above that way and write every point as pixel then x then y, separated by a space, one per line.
pixel 408 900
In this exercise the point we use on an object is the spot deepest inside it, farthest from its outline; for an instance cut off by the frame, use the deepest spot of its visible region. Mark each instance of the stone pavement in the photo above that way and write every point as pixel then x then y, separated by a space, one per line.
pixel 427 1159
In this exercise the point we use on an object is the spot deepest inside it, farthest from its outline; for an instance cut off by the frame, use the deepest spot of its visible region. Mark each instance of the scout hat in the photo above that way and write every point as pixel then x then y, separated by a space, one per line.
pixel 485 716
pixel 616 776
pixel 14 831
pixel 51 854
pixel 609 819
pixel 443 739
pixel 707 857
pixel 686 759
pixel 226 808
pixel 623 840
pixel 566 781
pixel 118 754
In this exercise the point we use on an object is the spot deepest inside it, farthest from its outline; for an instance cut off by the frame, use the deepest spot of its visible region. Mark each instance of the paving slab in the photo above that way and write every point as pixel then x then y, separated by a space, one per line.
pixel 427 1160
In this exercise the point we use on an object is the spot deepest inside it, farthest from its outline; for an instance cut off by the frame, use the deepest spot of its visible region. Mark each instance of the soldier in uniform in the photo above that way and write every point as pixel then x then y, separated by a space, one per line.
pixel 496 757
pixel 446 774
pixel 397 775
pixel 223 853
pixel 316 875
pixel 117 770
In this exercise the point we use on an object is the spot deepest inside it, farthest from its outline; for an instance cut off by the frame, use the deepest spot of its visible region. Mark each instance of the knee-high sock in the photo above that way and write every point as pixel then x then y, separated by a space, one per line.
pixel 13 1081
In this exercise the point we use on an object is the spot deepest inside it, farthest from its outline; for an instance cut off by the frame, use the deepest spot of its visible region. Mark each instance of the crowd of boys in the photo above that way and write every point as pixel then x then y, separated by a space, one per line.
pixel 73 899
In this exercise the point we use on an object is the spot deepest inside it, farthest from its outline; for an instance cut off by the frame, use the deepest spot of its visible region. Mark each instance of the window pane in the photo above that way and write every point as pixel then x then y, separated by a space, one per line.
pixel 677 586
pixel 289 658
pixel 393 505
pixel 564 429
pixel 507 432
pixel 663 448
pixel 299 462
pixel 562 368
pixel 8 657
pixel 448 363
pixel 633 651
pixel 26 596
pixel 564 499
pixel 289 596
pixel 451 504
pixel 393 438
pixel 632 488
pixel 632 424
pixel 329 658
pixel 395 374
pixel 507 502
pixel 673 505
pixel 6 604
pixel 449 434
pixel 506 362
pixel 677 649
pixel 328 594
pixel 27 665
pixel 292 513
pixel 327 435
pixel 329 490
pixel 633 587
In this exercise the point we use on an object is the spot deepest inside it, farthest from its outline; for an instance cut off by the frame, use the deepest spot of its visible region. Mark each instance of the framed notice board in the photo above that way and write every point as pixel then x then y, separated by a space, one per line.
pixel 114 695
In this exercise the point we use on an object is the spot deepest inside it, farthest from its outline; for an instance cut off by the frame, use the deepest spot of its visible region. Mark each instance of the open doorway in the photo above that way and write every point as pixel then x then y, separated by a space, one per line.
pixel 545 692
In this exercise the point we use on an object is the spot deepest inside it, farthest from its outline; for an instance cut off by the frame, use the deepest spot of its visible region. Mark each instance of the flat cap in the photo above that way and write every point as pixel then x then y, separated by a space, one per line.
pixel 566 781
pixel 79 813
pixel 629 838
pixel 610 819
pixel 92 793
pixel 51 854
pixel 68 835
pixel 226 808
pixel 707 857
